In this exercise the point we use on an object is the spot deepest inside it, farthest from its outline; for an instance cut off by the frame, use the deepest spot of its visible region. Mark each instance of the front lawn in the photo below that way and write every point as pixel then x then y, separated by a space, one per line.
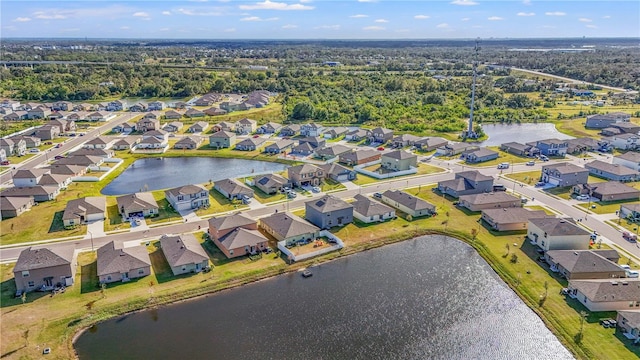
pixel 503 156
pixel 218 203
pixel 605 207
pixel 527 177
pixel 329 186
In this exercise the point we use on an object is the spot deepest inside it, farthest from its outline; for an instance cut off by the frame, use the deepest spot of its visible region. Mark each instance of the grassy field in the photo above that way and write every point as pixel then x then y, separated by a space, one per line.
pixel 605 207
pixel 527 177
pixel 423 169
pixel 503 156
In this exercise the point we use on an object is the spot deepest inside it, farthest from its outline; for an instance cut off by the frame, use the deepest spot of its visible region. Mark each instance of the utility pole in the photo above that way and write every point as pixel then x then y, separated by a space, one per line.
pixel 470 133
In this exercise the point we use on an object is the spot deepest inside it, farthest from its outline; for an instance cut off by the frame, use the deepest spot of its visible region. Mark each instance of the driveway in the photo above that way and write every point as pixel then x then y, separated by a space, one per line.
pixel 95 228
pixel 189 215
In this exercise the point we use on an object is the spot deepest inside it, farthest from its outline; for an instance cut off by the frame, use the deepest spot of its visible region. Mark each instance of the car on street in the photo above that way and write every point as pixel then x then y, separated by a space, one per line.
pixel 315 189
pixel 540 183
pixel 58 157
pixel 5 162
pixel 504 165
pixel 531 163
pixel 629 236
pixel 583 197
pixel 377 195
pixel 381 148
pixel 58 146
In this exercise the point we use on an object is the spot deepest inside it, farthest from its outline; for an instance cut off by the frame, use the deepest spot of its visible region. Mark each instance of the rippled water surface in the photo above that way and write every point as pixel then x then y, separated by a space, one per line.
pixel 522 133
pixel 428 298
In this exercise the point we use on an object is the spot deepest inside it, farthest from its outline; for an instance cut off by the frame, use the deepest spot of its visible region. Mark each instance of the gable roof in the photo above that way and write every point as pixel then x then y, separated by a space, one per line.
pixel 186 190
pixel 488 198
pixel 630 156
pixel 114 258
pixel 408 200
pixel 29 173
pixel 583 261
pixel 182 249
pixel 564 168
pixel 14 203
pixel 333 150
pixel 598 290
pixel 328 203
pixel 85 206
pixel 230 221
pixel 558 226
pixel 280 144
pixel 368 207
pixel 33 258
pixel 251 141
pixel 241 237
pixel 513 215
pixel 632 317
pixel 270 180
pixel 222 135
pixel 137 202
pixel 288 225
pixel 355 156
pixel 473 175
pixel 303 169
pixel 400 155
pixel 610 168
pixel 233 187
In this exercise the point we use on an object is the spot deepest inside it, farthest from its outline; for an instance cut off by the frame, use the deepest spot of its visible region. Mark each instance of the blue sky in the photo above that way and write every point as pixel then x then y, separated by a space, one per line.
pixel 320 19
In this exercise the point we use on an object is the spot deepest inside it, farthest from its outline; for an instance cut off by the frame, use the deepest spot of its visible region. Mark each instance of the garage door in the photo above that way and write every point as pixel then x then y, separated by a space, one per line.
pixel 553 181
pixel 343 177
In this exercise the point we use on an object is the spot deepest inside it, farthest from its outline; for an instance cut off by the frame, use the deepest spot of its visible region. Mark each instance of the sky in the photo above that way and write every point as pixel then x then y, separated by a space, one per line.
pixel 319 19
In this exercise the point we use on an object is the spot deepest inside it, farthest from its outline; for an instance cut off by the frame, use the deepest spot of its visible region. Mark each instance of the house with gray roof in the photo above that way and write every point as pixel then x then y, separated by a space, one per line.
pixel 629 323
pixel 606 294
pixel 59 180
pixel 609 171
pixel 314 141
pixel 279 146
pixel 270 183
pixel 328 211
pixel 290 130
pixel 141 204
pixel 104 153
pixel 564 174
pixel 42 268
pixel 465 183
pixel 82 160
pixel 14 206
pixel 28 177
pixel 305 174
pixel 240 242
pixel 519 149
pixel 289 228
pixel 69 170
pixel 84 210
pixel 147 124
pixel 491 200
pixel 232 189
pixel 337 172
pixel 583 144
pixel 198 127
pixel 39 193
pixel 630 159
pixel 184 253
pixel 624 141
pixel 188 197
pixel 584 264
pixel 13 148
pixel 304 149
pixel 117 262
pixel 222 139
pixel 480 155
pixel 250 144
pixel 173 126
pixel 356 135
pixel 407 203
pixel 430 143
pixel 552 233
pixel 188 142
pixel 368 210
pixel 630 211
pixel 380 135
pixel 246 126
pixel 311 129
pixel 601 121
pixel 173 115
pixel 330 152
pixel 194 113
pixel 404 140
pixel 608 191
pixel 269 128
pixel 100 142
pixel 219 226
pixel 335 132
pixel 398 160
pixel 455 148
pixel 359 157
pixel 511 219
pixel 627 127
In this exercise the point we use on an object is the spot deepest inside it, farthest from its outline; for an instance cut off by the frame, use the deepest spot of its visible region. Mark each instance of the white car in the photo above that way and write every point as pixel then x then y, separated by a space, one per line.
pixel 583 197
pixel 315 189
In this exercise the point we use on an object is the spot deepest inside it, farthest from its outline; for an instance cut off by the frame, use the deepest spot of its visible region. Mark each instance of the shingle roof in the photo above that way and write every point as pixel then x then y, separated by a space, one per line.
pixel 303 169
pixel 630 156
pixel 230 221
pixel 408 200
pixel 613 188
pixel 41 257
pixel 564 168
pixel 288 225
pixel 241 237
pixel 583 261
pixel 85 206
pixel 182 250
pixel 608 290
pixel 328 203
pixel 137 202
pixel 14 203
pixel 270 180
pixel 335 169
pixel 488 198
pixel 355 156
pixel 280 144
pixel 119 259
pixel 400 155
pixel 333 150
pixel 610 168
pixel 29 174
pixel 558 227
pixel 222 135
pixel 473 175
pixel 368 207
pixel 632 317
pixel 251 142
pixel 231 186
pixel 513 215
pixel 29 191
pixel 186 190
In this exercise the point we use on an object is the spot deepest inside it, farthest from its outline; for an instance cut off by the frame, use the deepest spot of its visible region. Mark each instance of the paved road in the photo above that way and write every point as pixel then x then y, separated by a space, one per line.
pixel 570 80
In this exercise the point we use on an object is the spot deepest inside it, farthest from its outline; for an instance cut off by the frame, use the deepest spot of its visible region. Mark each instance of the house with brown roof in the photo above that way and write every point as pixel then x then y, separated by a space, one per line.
pixel 28 177
pixel 208 99
pixel 173 115
pixel 398 160
pixel 97 153
pixel 270 183
pixel 279 146
pixel 380 135
pixel 613 172
pixel 552 233
pixel 337 172
pixel 222 225
pixel 232 189
pixel 564 174
pixel 404 140
pixel 69 170
pixel 187 197
pixel 222 139
pixel 188 142
pixel 606 294
pixel 83 160
pixel 608 191
pixel 290 130
pixel 368 210
pixel 117 262
pixel 100 142
pixel 359 157
pixel 492 200
pixel 303 149
pixel 246 126
pixel 328 211
pixel 173 126
pixel 455 148
pixel 465 183
pixel 84 210
pixel 314 141
pixel 141 204
pixel 214 111
pixel 126 143
pixel 407 203
pixel 511 219
pixel 241 242
pixel 250 144
pixel 480 155
pixel 124 128
pixel 13 148
pixel 42 268
pixel 335 132
pixel 193 113
pixel 331 151
pixel 305 174
pixel 289 228
pixel 47 132
pixel 39 193
pixel 198 127
pixel 224 126
pixel 269 128
pixel 585 264
pixel 356 135
pixel 184 253
pixel 65 125
pixel 148 124
pixel 30 141
pixel 14 206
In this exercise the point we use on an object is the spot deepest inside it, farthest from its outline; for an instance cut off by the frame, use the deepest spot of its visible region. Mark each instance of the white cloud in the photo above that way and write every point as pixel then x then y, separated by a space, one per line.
pixel 555 13
pixel 381 21
pixel 464 2
pixel 269 5
pixel 191 12
pixel 359 16
pixel 494 18
pixel 526 2
pixel 421 17
pixel 465 19
pixel 585 20
pixel 328 27
pixel 289 26
pixel 257 18
pixel 166 13
pixel 108 12
pixel 44 16
pixel 164 29
pixel 305 1
pixel 22 19
pixel 373 28
pixel 442 26
pixel 607 17
pixel 526 14
pixel 591 26
pixel 229 30
pixel 141 14
pixel 124 28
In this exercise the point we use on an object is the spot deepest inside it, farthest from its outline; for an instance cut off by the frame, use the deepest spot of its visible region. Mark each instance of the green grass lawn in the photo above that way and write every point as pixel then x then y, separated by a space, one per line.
pixel 330 185
pixel 503 156
pixel 605 207
pixel 265 198
pixel 527 177
pixel 538 207
pixel 219 203
pixel 364 180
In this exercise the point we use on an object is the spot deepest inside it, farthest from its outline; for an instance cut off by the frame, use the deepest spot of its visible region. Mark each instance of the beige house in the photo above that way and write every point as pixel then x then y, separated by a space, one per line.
pixel 305 174
pixel 222 139
pixel 240 242
pixel 585 264
pixel 270 183
pixel 606 294
pixel 368 210
pixel 629 323
pixel 511 219
pixel 117 262
pixel 84 210
pixel 44 268
pixel 222 225
pixel 184 253
pixel 140 204
pixel 407 203
pixel 399 160
pixel 288 228
pixel 557 234
pixel 492 200
pixel 15 206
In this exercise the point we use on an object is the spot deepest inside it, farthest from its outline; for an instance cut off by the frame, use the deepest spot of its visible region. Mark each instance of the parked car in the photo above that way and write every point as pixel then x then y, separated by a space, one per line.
pixel 504 165
pixel 58 157
pixel 377 195
pixel 381 148
pixel 246 199
pixel 315 189
pixel 583 197
pixel 540 183
pixel 633 273
pixel 58 146
pixel 499 187
pixel 256 136
pixel 6 162
pixel 49 143
pixel 629 236
pixel 531 163
pixel 34 150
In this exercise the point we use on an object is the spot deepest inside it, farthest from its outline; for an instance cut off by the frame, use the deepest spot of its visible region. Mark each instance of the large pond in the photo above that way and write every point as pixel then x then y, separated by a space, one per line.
pixel 522 133
pixel 428 298
pixel 161 173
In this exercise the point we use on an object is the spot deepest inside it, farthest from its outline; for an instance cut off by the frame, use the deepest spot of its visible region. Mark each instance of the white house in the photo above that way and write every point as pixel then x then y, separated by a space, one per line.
pixel 188 197
pixel 557 234
pixel 630 159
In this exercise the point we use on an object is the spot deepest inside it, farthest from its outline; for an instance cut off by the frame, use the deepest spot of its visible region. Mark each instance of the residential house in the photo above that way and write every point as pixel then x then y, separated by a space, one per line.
pixel 117 105
pixel 62 105
pixel 380 135
pixel 356 135
pixel 241 242
pixel 224 126
pixel 258 98
pixel 584 264
pixel 42 268
pixel 335 132
pixel 154 139
pixel 625 141
pixel 28 177
pixel 58 115
pixel 138 107
pixel 30 141
pixel 246 126
pixel 77 116
pixel 270 183
pixel 630 159
pixel 194 113
pixel 233 105
pixel 311 130
pixel 214 111
pixel 13 148
pixel 64 125
pixel 173 126
pixel 99 116
pixel 148 124
pixel 100 142
pixel 290 130
pixel 141 204
pixel 104 153
pixel 222 139
pixel 199 127
pixel 269 128
pixel 359 157
pixel 404 140
pixel 564 174
pixel 14 206
pixel 465 183
pixel 223 225
pixel 611 171
pixel 608 191
pixel 304 149
pixel 407 203
pixel 368 210
pixel 155 115
pixel 85 107
pixel 58 180
pixel 430 143
pixel 84 210
pixel 455 148
pixel 117 262
pixel 178 105
pixel 189 142
pixel 173 115
pixel 289 228
pixel 606 294
pixel 208 99
pixel 184 253
pixel 126 143
pixel 232 189
pixel 157 106
pixel 511 219
pixel 492 200
pixel 629 323
pixel 3 155
pixel 314 141
pixel 601 121
pixel 627 127
pixel 187 197
pixel 332 151
pixel 551 147
pixel 125 128
pixel 399 160
pixel 552 233
pixel 47 132
pixel 305 174
pixel 328 211
pixel 250 144
pixel 582 145
pixel 39 193
pixel 82 160
pixel 69 170
pixel 481 155
pixel 15 116
pixel 38 113
pixel 279 146
pixel 337 172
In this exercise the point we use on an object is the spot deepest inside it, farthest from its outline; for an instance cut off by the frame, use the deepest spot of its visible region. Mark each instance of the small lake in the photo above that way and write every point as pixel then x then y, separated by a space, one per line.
pixel 522 133
pixel 432 297
pixel 162 173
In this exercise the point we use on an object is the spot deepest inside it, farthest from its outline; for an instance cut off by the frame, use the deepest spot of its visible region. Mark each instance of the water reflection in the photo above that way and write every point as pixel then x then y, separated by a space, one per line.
pixel 522 133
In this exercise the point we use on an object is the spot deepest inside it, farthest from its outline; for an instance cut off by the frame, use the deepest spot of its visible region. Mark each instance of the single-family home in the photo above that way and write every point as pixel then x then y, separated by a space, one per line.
pixel 69 170
pixel 511 219
pixel 173 115
pixel 246 126
pixel 583 144
pixel 289 228
pixel 552 233
pixel 157 115
pixel 269 128
pixel 198 127
pixel 465 183
pixel 84 210
pixel 491 200
pixel 338 172
pixel 270 183
pixel 356 135
pixel 154 139
pixel 630 159
pixel 15 116
pixel 232 189
pixel 13 147
pixel 184 253
pixel 601 121
pixel 47 132
pixel 215 111
pixel 608 191
pixel 42 268
pixel 117 105
pixel 62 105
pixel 139 107
pixel 551 147
pixel 585 264
pixel 189 142
pixel 38 113
pixel 240 242
pixel 398 160
pixel 611 171
pixel 564 174
pixel 39 193
pixel 303 149
pixel 222 225
pixel 606 294
pixel 82 160
pixel 187 197
pixel 208 99
pixel 224 126
pixel 124 128
pixel 626 127
pixel 99 116
pixel 335 132
pixel 122 262
pixel 480 155
pixel 222 139
pixel 625 141
pixel 194 113
pixel 629 323
pixel 126 143
pixel 328 211
pixel 407 203
pixel 404 140
pixel 279 146
pixel 368 210
pixel 233 105
pixel 330 152
pixel 30 141
pixel 65 125
pixel 250 144
pixel 173 126
pixel 148 124
pixel 14 206
pixel 290 130
pixel 28 177
pixel 100 142
pixel 305 174
pixel 359 157
pixel 379 135
pixel 455 148
pixel 311 130
pixel 141 204
pixel 156 106
pixel 430 143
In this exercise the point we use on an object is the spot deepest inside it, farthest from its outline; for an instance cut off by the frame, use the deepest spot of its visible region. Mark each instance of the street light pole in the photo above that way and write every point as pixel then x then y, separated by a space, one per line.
pixel 91 234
